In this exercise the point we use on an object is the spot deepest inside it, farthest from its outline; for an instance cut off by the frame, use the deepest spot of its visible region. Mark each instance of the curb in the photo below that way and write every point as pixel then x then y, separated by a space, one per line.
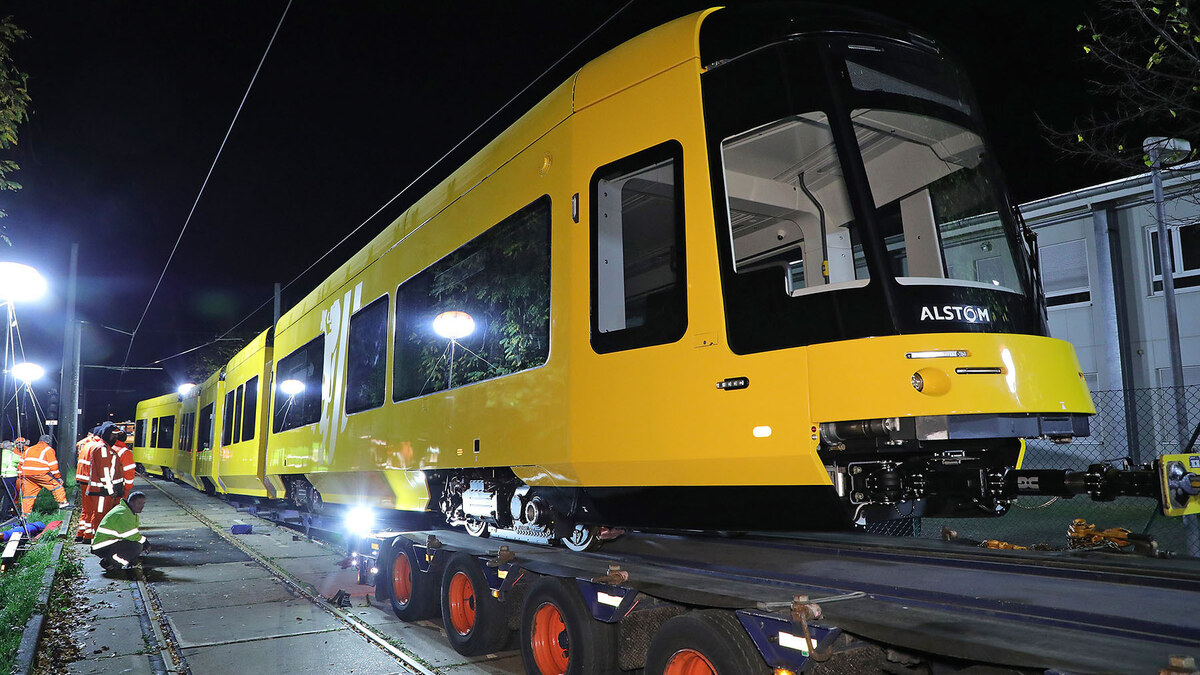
pixel 23 663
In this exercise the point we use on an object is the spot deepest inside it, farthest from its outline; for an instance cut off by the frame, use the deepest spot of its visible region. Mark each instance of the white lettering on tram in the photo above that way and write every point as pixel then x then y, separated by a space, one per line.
pixel 964 313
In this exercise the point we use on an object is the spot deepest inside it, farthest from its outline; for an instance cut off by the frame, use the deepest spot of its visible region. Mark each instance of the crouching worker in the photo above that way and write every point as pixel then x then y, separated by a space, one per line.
pixel 118 540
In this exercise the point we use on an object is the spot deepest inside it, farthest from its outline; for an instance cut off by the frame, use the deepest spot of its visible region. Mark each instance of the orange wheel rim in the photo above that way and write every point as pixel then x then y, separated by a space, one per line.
pixel 402 579
pixel 462 603
pixel 689 662
pixel 548 639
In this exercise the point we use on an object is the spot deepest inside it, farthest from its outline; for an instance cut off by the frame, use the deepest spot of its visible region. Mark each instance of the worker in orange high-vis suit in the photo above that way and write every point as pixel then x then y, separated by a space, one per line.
pixel 125 459
pixel 87 503
pixel 106 479
pixel 39 471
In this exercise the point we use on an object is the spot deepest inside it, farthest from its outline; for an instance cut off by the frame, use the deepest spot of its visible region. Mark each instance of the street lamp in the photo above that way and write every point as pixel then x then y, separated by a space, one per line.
pixel 20 283
pixel 28 372
pixel 1163 151
pixel 453 326
pixel 1166 151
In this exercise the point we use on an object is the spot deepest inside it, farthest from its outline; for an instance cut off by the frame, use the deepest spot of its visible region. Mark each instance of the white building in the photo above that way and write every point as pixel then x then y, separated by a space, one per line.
pixel 1103 283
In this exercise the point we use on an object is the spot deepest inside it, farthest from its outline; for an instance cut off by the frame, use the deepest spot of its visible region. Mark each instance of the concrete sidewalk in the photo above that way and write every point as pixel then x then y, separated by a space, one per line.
pixel 229 614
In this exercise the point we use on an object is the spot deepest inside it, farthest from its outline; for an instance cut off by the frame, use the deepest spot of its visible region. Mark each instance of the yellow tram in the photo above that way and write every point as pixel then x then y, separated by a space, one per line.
pixel 751 269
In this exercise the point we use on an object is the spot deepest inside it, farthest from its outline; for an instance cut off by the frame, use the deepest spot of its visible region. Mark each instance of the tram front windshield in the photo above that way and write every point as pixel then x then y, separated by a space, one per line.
pixel 878 189
pixel 935 207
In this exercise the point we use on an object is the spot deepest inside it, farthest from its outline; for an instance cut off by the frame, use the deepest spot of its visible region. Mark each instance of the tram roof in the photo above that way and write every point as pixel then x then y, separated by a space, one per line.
pixel 626 65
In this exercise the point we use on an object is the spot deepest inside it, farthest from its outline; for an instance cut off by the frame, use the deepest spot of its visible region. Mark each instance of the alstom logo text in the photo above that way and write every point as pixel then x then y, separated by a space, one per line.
pixel 967 313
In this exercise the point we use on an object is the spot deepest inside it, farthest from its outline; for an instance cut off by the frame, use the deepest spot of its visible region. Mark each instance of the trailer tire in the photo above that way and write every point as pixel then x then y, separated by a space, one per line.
pixel 708 640
pixel 413 594
pixel 554 610
pixel 476 623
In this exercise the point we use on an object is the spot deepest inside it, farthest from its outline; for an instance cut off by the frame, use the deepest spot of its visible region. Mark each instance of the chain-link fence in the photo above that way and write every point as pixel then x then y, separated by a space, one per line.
pixel 1131 427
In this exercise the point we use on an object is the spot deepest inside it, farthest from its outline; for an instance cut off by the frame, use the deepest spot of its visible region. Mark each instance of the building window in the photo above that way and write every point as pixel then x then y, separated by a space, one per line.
pixel 1065 275
pixel 249 409
pixel 366 357
pixel 637 241
pixel 501 280
pixel 298 380
pixel 1191 377
pixel 1183 245
pixel 205 438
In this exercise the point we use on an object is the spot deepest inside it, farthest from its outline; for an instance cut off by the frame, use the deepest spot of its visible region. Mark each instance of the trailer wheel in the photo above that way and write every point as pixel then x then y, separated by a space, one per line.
pixel 704 642
pixel 559 635
pixel 414 595
pixel 475 621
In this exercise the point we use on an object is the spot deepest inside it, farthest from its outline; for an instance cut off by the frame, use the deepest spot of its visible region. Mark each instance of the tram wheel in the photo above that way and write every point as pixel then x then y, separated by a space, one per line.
pixel 559 635
pixel 414 594
pixel 476 622
pixel 704 642
pixel 582 538
pixel 477 528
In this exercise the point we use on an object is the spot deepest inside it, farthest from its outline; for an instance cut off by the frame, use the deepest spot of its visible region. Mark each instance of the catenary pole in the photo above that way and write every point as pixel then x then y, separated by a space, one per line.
pixel 69 385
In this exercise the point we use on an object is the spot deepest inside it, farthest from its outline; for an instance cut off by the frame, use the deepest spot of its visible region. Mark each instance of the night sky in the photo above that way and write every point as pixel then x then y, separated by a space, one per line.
pixel 131 101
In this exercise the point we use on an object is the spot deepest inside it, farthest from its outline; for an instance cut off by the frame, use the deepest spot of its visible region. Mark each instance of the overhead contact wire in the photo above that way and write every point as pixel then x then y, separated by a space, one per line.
pixel 188 220
pixel 424 173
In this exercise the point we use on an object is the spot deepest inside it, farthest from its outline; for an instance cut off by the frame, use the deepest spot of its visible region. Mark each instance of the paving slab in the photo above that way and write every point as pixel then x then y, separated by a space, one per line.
pixel 178 548
pixel 208 573
pixel 505 663
pixel 335 653
pixel 340 580
pixel 287 547
pixel 111 604
pixel 220 625
pixel 135 664
pixel 311 565
pixel 105 637
pixel 428 639
pixel 178 597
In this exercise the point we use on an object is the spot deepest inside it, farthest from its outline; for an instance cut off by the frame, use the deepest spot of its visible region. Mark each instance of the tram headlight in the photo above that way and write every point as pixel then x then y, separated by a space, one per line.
pixel 918 382
pixel 360 521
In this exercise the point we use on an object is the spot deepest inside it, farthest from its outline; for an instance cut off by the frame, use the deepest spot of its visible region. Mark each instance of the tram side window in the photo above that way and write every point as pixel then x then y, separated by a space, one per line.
pixel 227 419
pixel 205 438
pixel 185 431
pixel 366 357
pixel 237 414
pixel 249 409
pixel 166 431
pixel 490 300
pixel 637 241
pixel 152 440
pixel 139 435
pixel 789 207
pixel 298 378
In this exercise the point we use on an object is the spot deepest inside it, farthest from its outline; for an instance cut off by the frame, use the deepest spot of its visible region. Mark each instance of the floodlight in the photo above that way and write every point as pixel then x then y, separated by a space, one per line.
pixel 186 388
pixel 28 372
pixel 360 520
pixel 20 283
pixel 453 325
pixel 291 387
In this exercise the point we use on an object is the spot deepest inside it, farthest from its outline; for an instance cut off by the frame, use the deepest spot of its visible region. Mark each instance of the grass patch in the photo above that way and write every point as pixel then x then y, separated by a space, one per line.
pixel 20 585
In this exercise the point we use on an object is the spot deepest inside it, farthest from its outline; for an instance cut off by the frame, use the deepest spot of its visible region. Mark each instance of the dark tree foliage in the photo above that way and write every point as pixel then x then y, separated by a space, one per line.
pixel 14 105
pixel 1149 54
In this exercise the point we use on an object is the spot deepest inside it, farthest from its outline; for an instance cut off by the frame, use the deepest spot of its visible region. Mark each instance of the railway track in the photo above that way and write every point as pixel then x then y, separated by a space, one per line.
pixel 408 663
